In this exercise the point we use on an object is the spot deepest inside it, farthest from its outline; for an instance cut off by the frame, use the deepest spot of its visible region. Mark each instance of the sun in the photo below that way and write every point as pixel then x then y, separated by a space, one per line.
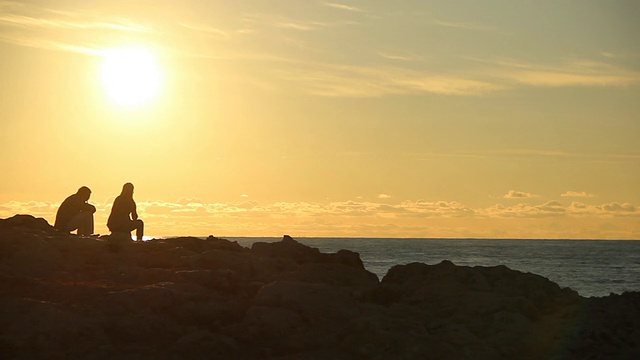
pixel 131 76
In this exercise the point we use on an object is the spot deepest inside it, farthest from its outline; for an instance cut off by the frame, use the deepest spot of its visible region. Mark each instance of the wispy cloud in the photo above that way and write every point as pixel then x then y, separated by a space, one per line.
pixel 39 17
pixel 557 154
pixel 68 24
pixel 375 81
pixel 206 29
pixel 343 7
pixel 534 152
pixel 30 25
pixel 554 155
pixel 297 60
pixel 561 78
pixel 463 25
pixel 573 72
pixel 47 44
pixel 400 57
pixel 258 21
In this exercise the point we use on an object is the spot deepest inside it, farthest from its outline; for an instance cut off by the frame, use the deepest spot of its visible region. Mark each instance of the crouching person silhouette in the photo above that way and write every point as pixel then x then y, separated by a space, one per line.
pixel 75 213
pixel 123 217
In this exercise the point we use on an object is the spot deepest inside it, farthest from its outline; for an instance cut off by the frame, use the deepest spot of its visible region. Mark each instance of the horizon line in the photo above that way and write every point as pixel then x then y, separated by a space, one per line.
pixel 390 238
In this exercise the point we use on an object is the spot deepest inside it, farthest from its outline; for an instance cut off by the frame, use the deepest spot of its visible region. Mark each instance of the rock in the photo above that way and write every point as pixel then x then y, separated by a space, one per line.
pixel 288 249
pixel 26 222
pixel 309 300
pixel 72 297
pixel 199 343
pixel 335 274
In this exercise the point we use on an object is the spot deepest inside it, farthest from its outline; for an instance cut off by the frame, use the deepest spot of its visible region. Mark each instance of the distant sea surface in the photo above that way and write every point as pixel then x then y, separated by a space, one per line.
pixel 591 267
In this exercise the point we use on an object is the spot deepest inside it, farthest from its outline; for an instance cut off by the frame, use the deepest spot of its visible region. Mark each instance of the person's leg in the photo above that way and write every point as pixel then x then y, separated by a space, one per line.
pixel 85 225
pixel 139 227
pixel 83 222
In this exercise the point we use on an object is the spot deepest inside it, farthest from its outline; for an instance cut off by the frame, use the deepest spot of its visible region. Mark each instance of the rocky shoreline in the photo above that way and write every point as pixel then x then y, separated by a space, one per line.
pixel 71 297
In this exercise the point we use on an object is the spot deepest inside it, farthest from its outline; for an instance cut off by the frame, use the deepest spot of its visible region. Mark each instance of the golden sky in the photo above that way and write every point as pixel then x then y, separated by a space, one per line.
pixel 493 119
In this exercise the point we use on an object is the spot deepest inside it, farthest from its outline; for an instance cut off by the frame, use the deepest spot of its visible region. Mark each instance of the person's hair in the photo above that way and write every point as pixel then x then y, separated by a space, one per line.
pixel 127 189
pixel 84 189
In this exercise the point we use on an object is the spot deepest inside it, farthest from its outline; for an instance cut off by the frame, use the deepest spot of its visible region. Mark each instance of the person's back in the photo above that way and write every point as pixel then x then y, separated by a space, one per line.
pixel 67 210
pixel 75 213
pixel 123 206
pixel 124 217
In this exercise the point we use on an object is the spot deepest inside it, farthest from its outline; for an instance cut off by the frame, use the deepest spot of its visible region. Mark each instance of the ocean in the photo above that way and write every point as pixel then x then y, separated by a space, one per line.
pixel 591 267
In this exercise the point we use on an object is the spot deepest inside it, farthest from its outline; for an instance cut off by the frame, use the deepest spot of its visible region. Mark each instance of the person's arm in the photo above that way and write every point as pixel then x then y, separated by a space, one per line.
pixel 134 213
pixel 88 208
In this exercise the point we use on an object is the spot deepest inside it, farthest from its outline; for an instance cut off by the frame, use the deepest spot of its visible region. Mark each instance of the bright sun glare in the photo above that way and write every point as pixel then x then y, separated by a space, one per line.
pixel 131 77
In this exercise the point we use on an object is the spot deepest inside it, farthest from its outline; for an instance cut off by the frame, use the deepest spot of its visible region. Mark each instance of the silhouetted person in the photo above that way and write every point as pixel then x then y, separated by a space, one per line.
pixel 75 213
pixel 123 217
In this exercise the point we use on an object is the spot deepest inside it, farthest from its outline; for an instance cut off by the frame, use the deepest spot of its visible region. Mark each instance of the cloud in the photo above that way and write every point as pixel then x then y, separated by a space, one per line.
pixel 549 209
pixel 195 208
pixel 371 80
pixel 296 59
pixel 68 24
pixel 384 196
pixel 619 208
pixel 79 31
pixel 532 153
pixel 332 80
pixel 375 80
pixel 400 57
pixel 35 208
pixel 462 25
pixel 576 194
pixel 552 206
pixel 343 7
pixel 575 72
pixel 33 17
pixel 513 194
pixel 435 209
pixel 189 200
pixel 557 79
pixel 556 209
pixel 362 218
pixel 206 29
pixel 258 22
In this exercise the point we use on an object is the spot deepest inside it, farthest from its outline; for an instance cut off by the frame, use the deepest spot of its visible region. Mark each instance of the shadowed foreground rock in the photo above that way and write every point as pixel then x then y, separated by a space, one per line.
pixel 69 297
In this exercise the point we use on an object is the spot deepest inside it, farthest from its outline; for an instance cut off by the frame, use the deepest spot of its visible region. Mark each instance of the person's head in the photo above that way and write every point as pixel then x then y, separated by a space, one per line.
pixel 127 189
pixel 84 193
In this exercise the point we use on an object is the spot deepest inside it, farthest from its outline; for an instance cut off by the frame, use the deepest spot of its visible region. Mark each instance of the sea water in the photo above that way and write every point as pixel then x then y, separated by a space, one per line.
pixel 591 267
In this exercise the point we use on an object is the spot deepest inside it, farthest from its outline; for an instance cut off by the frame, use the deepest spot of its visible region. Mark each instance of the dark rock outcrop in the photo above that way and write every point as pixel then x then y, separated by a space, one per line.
pixel 71 297
pixel 29 222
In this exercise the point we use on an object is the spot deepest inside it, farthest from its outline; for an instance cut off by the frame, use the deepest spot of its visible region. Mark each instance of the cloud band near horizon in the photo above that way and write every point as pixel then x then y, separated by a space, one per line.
pixel 402 219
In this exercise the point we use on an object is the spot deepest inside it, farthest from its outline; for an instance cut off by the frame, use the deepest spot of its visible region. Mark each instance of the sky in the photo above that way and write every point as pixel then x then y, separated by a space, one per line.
pixel 446 119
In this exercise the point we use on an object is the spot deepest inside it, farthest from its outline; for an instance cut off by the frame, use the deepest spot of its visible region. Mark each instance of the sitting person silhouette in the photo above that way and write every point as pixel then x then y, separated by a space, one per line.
pixel 123 217
pixel 75 213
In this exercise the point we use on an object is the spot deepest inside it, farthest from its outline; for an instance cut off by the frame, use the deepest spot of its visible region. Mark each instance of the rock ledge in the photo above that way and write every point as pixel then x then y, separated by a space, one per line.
pixel 71 297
